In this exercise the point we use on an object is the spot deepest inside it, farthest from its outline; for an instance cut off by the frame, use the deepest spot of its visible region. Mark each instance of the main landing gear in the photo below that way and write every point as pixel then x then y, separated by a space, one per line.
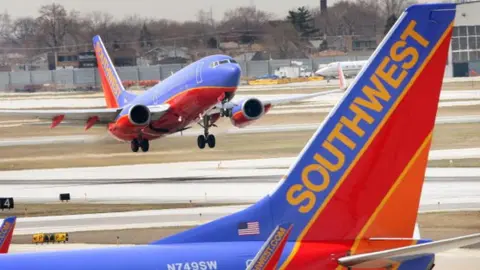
pixel 207 138
pixel 136 144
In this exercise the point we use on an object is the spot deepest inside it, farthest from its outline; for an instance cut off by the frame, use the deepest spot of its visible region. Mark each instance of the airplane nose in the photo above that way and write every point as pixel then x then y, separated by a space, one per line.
pixel 231 74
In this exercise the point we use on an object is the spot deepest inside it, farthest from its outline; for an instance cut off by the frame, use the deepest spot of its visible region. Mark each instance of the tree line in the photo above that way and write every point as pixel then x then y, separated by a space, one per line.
pixel 56 28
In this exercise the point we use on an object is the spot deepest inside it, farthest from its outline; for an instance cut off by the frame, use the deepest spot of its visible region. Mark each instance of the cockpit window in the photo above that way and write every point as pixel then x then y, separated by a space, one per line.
pixel 221 62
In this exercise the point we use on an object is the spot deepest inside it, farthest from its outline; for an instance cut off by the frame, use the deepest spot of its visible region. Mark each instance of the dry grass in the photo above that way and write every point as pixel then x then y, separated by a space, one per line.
pixel 176 149
pixel 459 163
pixel 449 224
pixel 60 209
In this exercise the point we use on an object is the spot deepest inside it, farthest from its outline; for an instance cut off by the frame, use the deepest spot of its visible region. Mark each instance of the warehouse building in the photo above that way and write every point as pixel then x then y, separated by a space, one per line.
pixel 464 56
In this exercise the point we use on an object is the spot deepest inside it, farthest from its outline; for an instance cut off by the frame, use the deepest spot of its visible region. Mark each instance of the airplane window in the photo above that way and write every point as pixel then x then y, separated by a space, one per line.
pixel 214 64
pixel 233 61
pixel 223 61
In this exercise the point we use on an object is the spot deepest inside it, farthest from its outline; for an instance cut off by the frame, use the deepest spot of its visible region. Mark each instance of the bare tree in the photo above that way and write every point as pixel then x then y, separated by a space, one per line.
pixel 351 18
pixel 281 39
pixel 54 24
pixel 244 19
pixel 5 26
pixel 394 7
pixel 24 30
pixel 97 23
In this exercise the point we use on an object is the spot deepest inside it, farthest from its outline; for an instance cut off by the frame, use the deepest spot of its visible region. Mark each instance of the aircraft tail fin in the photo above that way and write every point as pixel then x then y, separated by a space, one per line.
pixel 341 78
pixel 115 94
pixel 361 174
pixel 6 233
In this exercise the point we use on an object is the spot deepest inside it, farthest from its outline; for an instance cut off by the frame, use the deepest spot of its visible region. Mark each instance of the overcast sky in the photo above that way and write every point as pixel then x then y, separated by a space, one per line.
pixel 179 10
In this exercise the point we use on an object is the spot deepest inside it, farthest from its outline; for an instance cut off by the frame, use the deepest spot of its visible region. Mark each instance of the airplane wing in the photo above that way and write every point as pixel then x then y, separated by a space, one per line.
pixel 269 255
pixel 6 233
pixel 88 116
pixel 270 101
pixel 283 100
pixel 384 258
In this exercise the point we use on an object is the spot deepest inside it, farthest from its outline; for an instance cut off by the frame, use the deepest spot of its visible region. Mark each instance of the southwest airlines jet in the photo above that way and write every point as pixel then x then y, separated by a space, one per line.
pixel 200 93
pixel 6 233
pixel 351 198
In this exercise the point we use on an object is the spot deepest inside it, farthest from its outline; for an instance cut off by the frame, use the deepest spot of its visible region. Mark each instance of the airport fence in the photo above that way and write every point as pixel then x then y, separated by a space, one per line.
pixel 87 78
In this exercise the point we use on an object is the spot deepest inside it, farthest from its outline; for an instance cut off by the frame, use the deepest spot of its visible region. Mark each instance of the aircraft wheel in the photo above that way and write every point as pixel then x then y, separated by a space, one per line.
pixel 134 145
pixel 201 141
pixel 211 141
pixel 145 145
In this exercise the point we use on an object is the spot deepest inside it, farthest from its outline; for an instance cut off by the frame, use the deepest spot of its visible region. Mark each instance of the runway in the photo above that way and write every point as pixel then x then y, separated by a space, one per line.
pixel 79 139
pixel 439 194
pixel 235 181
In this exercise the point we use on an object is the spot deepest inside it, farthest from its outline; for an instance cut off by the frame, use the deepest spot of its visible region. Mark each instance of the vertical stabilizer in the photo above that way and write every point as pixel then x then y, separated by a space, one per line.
pixel 6 233
pixel 115 94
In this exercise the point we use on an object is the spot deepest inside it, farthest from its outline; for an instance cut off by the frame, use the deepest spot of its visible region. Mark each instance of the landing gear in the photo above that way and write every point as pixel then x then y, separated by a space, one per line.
pixel 145 145
pixel 136 144
pixel 201 141
pixel 207 138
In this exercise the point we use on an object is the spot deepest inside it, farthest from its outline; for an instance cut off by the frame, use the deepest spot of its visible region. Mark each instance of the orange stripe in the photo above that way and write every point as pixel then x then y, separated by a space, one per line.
pixel 367 144
pixel 425 145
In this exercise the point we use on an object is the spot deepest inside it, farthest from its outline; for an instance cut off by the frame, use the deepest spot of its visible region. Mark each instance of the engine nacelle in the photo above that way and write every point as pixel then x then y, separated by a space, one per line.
pixel 139 115
pixel 248 111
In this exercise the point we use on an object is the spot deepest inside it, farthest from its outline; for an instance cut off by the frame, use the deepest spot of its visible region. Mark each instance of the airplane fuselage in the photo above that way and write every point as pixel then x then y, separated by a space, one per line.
pixel 350 69
pixel 189 92
pixel 191 256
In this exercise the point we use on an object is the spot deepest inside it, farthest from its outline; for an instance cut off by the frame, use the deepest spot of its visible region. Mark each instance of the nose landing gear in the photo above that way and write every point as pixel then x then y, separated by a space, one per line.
pixel 206 138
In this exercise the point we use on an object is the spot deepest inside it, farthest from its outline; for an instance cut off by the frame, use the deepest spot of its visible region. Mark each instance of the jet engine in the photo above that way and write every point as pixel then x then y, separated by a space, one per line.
pixel 139 115
pixel 247 111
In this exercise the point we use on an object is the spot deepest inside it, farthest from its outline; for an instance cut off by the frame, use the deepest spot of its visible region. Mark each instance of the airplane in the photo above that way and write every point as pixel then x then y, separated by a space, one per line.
pixel 6 233
pixel 351 68
pixel 352 196
pixel 202 92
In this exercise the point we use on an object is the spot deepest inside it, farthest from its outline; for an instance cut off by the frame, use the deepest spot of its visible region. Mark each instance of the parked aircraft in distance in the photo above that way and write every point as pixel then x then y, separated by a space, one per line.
pixel 6 233
pixel 350 69
pixel 202 92
pixel 351 197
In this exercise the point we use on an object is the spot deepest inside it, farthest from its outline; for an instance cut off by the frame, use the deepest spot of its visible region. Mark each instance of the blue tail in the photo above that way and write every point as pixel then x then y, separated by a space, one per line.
pixel 340 176
pixel 6 233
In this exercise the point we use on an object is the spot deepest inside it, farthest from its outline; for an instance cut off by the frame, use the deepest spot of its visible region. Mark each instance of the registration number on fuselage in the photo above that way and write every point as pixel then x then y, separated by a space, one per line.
pixel 198 265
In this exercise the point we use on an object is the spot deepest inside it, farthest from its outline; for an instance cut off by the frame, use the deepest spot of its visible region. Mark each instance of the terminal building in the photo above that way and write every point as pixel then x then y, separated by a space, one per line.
pixel 464 55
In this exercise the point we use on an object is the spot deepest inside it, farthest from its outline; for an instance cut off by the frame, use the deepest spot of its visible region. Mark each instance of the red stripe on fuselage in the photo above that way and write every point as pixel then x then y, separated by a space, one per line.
pixel 371 178
pixel 185 108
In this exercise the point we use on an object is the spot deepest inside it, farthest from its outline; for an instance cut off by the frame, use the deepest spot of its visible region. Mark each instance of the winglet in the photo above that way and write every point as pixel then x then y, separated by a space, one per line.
pixel 6 233
pixel 269 255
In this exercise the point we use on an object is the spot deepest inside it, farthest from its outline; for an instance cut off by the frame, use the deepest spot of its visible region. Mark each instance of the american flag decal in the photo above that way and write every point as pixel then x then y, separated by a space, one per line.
pixel 249 228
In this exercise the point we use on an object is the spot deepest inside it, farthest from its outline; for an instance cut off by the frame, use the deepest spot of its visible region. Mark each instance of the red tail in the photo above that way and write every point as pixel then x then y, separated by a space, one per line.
pixel 6 233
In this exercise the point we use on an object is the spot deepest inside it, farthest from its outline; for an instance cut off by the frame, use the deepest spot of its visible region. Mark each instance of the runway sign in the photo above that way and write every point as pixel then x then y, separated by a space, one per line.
pixel 6 203
pixel 65 197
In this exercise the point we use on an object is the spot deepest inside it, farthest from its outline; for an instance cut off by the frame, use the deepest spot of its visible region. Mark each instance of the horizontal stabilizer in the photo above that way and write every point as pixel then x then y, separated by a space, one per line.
pixel 105 115
pixel 384 258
